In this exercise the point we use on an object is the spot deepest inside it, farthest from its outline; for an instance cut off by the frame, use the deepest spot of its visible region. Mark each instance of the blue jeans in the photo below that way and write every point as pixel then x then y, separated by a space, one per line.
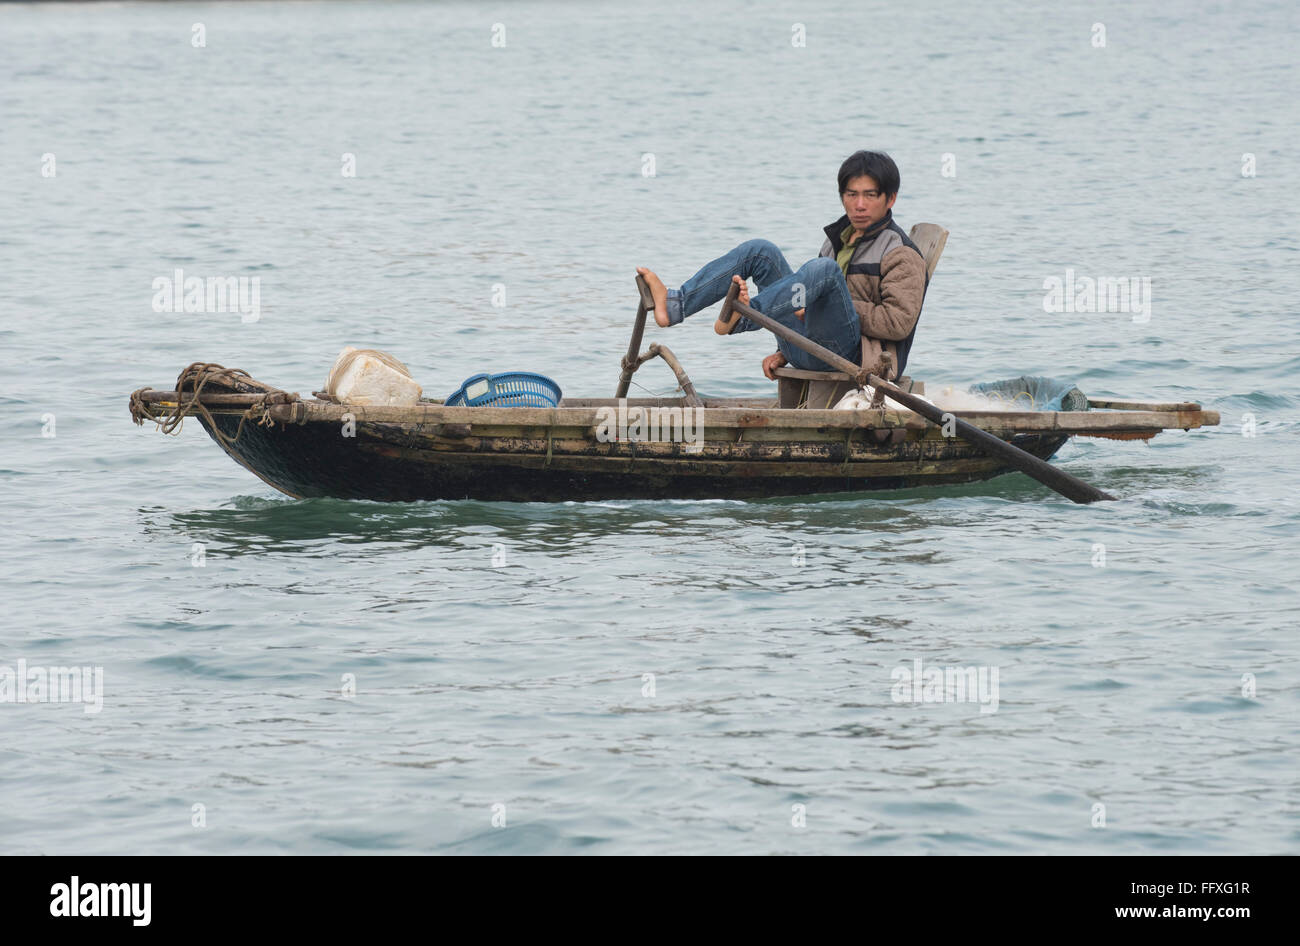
pixel 829 317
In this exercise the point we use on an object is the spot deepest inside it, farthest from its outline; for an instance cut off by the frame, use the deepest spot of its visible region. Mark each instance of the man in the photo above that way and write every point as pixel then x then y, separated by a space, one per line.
pixel 867 284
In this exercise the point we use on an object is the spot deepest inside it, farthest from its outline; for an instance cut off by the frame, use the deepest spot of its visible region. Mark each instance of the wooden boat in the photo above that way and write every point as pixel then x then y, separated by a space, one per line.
pixel 745 448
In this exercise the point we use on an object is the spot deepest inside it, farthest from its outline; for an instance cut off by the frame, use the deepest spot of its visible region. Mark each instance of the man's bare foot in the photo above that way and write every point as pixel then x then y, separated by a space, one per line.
pixel 728 326
pixel 660 293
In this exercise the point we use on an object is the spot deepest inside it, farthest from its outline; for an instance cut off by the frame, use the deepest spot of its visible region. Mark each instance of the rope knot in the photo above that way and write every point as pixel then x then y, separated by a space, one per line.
pixel 190 385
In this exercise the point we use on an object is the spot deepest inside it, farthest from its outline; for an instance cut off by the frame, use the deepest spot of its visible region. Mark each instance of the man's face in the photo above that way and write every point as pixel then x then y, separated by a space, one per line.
pixel 864 203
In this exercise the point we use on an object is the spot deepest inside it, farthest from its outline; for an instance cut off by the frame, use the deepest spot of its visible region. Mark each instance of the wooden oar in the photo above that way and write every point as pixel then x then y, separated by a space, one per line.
pixel 1068 486
pixel 645 306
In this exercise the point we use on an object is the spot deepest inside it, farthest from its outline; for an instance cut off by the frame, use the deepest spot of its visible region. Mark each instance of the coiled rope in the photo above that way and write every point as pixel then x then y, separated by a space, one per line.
pixel 197 377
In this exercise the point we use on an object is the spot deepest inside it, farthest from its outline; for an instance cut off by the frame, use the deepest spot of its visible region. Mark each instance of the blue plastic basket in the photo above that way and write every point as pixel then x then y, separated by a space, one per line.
pixel 509 389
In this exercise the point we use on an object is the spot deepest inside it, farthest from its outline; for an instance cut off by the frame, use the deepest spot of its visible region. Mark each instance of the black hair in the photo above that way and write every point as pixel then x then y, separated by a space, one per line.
pixel 877 165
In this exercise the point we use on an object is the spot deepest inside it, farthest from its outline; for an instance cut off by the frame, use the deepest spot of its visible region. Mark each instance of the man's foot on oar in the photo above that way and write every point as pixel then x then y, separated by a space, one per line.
pixel 729 318
pixel 660 293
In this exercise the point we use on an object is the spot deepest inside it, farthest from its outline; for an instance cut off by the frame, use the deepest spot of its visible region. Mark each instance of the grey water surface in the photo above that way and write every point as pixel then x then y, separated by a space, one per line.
pixel 644 677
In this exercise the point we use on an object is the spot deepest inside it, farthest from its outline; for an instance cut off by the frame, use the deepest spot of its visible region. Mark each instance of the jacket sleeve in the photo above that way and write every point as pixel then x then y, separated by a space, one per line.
pixel 902 288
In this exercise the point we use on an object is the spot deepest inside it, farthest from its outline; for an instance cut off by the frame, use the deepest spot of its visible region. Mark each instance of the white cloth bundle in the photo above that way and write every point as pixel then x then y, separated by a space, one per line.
pixel 861 401
pixel 368 377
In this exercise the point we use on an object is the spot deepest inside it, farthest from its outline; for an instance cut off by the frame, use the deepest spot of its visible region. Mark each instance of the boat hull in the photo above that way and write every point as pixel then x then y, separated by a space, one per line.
pixel 391 463
pixel 624 448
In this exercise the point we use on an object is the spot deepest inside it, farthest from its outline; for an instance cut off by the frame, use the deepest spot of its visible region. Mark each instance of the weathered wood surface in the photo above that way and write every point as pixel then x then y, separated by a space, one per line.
pixel 793 420
pixel 860 444
pixel 803 374
pixel 206 398
pixel 716 420
pixel 930 239
pixel 855 466
pixel 1106 404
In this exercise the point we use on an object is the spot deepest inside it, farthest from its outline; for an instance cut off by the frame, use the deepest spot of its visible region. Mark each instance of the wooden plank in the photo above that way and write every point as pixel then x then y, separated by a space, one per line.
pixel 1110 405
pixel 883 467
pixel 805 375
pixel 208 399
pixel 597 402
pixel 733 412
pixel 739 415
pixel 1081 421
pixel 719 422
pixel 483 419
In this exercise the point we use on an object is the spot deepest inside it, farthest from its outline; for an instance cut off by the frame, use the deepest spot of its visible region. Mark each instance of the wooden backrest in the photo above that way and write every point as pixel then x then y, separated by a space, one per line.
pixel 929 239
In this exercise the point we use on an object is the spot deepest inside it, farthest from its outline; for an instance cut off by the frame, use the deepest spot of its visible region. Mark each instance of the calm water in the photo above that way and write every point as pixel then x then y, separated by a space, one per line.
pixel 523 684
